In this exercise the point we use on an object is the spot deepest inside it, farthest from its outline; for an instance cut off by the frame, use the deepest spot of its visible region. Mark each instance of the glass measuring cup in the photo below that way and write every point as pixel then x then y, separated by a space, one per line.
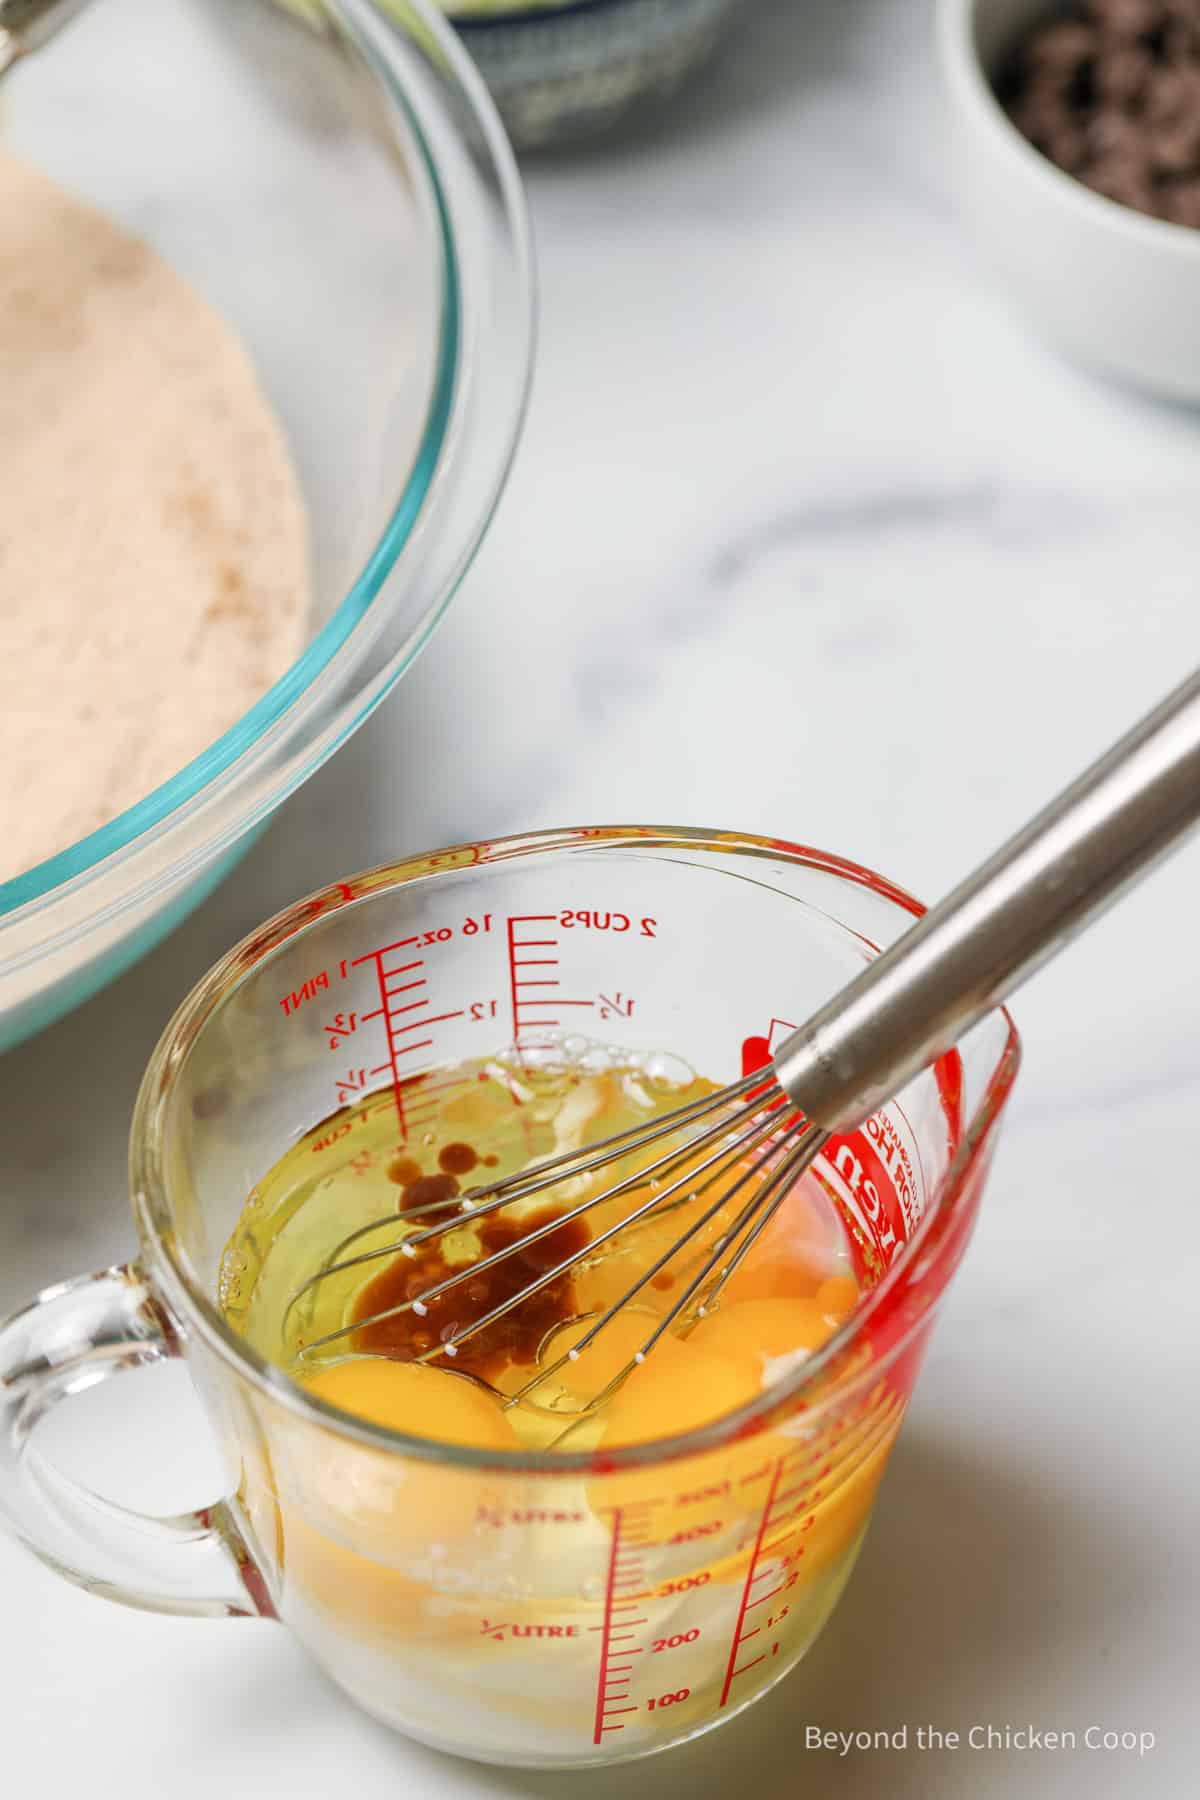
pixel 547 1609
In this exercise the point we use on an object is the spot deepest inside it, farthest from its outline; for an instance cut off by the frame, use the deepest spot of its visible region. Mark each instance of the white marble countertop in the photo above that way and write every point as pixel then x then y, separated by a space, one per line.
pixel 808 536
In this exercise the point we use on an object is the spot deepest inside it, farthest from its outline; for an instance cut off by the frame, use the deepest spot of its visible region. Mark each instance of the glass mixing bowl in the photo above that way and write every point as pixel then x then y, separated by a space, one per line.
pixel 346 197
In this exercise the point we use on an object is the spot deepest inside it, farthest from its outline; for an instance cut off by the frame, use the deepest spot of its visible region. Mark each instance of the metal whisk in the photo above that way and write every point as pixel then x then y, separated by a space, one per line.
pixel 903 1011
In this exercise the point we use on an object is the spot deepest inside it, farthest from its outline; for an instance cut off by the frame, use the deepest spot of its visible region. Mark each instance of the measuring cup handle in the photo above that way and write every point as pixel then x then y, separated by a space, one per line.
pixel 70 1338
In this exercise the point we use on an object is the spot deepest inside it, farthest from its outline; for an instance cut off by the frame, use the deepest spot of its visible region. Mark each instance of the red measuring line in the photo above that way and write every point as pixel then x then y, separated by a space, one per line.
pixel 516 944
pixel 434 1019
pixel 383 976
pixel 738 1637
pixel 523 989
pixel 390 1012
pixel 382 951
pixel 609 1590
pixel 404 969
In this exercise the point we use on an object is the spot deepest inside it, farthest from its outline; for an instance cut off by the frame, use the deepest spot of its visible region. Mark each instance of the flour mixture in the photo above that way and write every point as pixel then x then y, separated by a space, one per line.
pixel 153 545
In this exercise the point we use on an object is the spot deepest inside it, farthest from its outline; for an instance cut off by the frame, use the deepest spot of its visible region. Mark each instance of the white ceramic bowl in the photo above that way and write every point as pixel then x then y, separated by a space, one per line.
pixel 1117 289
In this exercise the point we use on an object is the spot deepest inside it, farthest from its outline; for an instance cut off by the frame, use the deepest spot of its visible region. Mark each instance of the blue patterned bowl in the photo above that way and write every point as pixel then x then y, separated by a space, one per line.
pixel 562 69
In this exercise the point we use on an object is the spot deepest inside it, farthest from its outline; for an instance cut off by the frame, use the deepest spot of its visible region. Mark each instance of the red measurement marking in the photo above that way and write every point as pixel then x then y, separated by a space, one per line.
pixel 776 1548
pixel 744 1668
pixel 344 1025
pixel 740 1636
pixel 383 975
pixel 531 995
pixel 793 1493
pixel 623 1593
pixel 351 1083
pixel 425 1102
pixel 393 1008
pixel 436 1019
pixel 383 950
pixel 609 1594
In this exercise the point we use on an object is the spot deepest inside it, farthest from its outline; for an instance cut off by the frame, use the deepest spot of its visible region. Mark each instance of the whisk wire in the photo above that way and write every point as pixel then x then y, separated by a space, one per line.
pixel 814 1143
pixel 450 1345
pixel 419 1303
pixel 504 1194
pixel 757 1214
pixel 771 1151
pixel 597 1155
pixel 793 1165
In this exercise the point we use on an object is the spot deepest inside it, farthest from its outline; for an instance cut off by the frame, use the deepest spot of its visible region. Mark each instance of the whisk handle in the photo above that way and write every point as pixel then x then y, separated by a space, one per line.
pixel 1016 911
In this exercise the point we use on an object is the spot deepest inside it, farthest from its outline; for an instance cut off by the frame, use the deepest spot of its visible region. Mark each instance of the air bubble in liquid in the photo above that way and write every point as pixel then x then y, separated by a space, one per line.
pixel 665 1071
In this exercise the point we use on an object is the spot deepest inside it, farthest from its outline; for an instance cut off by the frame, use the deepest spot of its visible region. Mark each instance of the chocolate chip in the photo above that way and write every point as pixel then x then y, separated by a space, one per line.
pixel 1068 147
pixel 1111 135
pixel 1173 96
pixel 1181 202
pixel 1063 38
pixel 1176 150
pixel 1118 180
pixel 1128 19
pixel 1110 92
pixel 1121 77
pixel 1063 48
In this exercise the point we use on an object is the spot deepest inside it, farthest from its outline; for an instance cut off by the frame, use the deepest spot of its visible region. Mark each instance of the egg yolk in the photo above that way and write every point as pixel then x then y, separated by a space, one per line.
pixel 837 1297
pixel 789 1259
pixel 412 1397
pixel 359 1525
pixel 396 1505
pixel 773 1336
pixel 676 1389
